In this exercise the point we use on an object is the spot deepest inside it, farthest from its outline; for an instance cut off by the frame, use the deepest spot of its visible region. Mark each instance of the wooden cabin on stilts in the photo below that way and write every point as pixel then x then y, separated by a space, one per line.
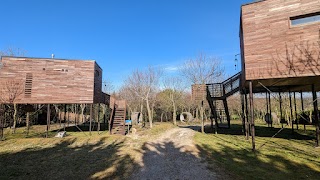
pixel 280 53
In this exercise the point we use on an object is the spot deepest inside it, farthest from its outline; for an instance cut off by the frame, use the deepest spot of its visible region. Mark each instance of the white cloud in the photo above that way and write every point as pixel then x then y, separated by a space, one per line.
pixel 171 68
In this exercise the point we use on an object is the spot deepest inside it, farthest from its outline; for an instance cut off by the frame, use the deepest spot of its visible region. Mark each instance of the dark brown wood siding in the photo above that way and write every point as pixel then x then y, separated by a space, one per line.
pixel 98 95
pixel 271 46
pixel 51 81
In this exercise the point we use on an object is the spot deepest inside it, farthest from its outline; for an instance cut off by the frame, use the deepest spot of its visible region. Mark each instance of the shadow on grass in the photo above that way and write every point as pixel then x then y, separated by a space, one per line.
pixel 169 161
pixel 67 160
pixel 262 131
pixel 39 131
pixel 85 127
pixel 249 165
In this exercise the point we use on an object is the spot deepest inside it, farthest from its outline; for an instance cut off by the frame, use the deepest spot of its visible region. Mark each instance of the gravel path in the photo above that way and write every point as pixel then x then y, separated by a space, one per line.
pixel 173 156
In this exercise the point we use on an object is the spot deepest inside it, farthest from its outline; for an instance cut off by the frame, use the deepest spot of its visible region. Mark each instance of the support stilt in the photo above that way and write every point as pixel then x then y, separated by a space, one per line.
pixel 269 101
pixel 252 117
pixel 68 116
pixel 216 125
pixel 75 114
pixel 291 113
pixel 48 120
pixel 267 111
pixel 243 116
pixel 302 109
pixel 280 103
pixel 65 117
pixel 295 109
pixel 104 117
pixel 316 111
pixel 91 111
pixel 98 118
pixel 247 116
pixel 225 104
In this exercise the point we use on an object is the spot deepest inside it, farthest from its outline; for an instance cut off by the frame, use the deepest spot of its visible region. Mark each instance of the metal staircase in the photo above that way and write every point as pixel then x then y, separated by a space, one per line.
pixel 117 118
pixel 217 94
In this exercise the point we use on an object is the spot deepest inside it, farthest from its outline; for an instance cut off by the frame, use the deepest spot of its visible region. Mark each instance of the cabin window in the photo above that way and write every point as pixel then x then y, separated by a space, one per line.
pixel 28 85
pixel 305 19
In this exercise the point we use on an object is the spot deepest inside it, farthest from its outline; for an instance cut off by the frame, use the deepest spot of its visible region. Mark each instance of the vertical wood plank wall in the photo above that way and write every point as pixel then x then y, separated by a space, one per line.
pixel 271 45
pixel 54 81
pixel 98 96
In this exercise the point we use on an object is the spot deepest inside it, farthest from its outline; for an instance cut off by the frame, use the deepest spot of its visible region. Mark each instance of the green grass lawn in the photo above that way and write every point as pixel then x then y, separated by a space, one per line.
pixel 104 156
pixel 286 156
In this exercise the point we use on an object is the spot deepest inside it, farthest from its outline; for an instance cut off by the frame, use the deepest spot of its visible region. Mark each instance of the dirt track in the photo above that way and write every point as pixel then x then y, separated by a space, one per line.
pixel 173 156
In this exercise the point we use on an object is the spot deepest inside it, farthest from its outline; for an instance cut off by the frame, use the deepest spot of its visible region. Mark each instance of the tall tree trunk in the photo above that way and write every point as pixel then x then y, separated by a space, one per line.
pixel 202 120
pixel 142 114
pixel 75 114
pixel 98 118
pixel 152 110
pixel 28 122
pixel 197 113
pixel 205 115
pixel 2 118
pixel 59 113
pixel 161 116
pixel 174 114
pixel 15 117
pixel 149 113
pixel 82 112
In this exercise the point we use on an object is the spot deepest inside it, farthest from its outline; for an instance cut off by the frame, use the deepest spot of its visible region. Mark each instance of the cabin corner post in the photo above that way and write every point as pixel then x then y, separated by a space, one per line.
pixel 65 117
pixel 90 120
pixel 280 107
pixel 252 116
pixel 48 120
pixel 246 115
pixel 243 115
pixel 295 110
pixel 291 112
pixel 316 111
pixel 269 101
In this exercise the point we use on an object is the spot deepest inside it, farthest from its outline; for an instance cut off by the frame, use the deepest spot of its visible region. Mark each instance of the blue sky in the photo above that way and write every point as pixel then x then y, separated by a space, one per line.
pixel 123 35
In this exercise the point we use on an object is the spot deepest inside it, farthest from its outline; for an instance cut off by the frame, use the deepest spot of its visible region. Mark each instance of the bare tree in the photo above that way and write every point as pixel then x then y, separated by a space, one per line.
pixel 143 84
pixel 108 87
pixel 134 103
pixel 173 92
pixel 12 88
pixel 10 94
pixel 12 51
pixel 163 104
pixel 82 107
pixel 202 70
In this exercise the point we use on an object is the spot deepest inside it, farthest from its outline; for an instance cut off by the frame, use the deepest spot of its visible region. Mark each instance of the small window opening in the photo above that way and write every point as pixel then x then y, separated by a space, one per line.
pixel 28 85
pixel 305 19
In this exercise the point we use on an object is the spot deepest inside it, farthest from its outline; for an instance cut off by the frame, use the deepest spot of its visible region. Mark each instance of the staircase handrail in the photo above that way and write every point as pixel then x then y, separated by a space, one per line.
pixel 111 117
pixel 223 85
pixel 232 77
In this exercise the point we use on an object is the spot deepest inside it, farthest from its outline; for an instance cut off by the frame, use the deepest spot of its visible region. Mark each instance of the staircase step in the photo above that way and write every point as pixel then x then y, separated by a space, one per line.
pixel 118 121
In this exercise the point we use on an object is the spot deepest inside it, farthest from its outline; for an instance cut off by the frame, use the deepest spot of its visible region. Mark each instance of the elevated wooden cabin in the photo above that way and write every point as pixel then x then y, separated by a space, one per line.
pixel 280 49
pixel 26 80
pixel 280 44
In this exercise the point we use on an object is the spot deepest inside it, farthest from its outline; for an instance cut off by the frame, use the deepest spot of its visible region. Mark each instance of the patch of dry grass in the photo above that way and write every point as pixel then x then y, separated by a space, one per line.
pixel 77 156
